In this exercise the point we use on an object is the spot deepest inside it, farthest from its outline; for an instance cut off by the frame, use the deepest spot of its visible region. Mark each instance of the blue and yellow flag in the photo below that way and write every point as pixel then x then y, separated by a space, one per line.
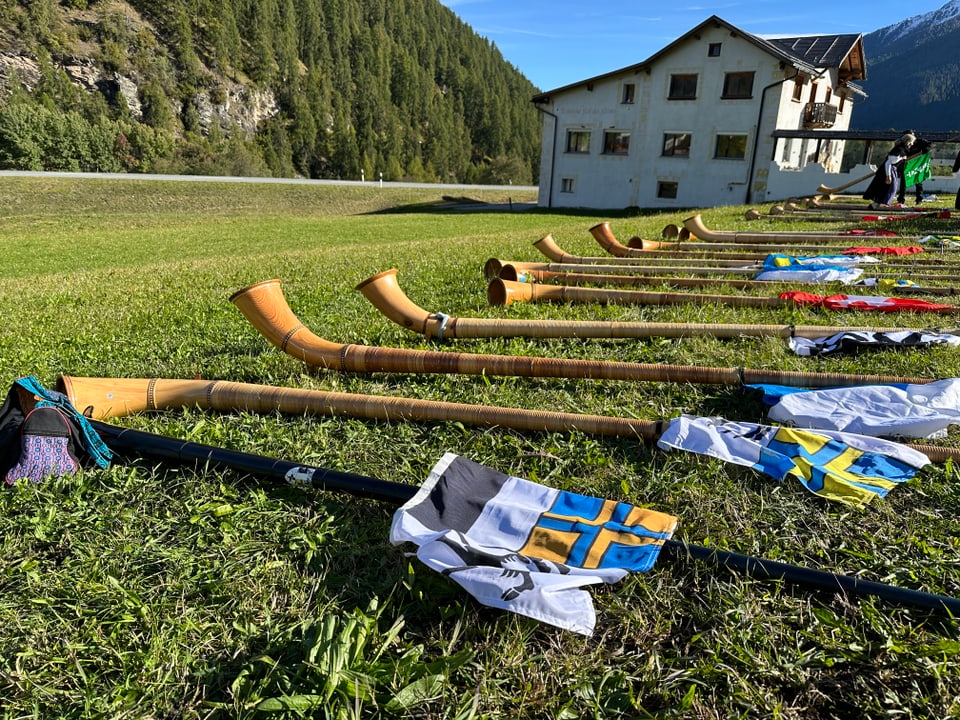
pixel 847 467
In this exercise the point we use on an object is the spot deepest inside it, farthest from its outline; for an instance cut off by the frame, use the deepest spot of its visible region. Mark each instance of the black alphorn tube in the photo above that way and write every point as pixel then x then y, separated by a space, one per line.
pixel 126 442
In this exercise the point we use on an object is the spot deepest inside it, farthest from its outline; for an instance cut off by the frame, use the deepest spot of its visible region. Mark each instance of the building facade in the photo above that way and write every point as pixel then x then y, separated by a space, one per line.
pixel 692 126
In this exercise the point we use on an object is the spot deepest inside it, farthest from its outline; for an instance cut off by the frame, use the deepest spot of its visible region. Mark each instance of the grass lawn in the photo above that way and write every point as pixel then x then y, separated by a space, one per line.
pixel 154 591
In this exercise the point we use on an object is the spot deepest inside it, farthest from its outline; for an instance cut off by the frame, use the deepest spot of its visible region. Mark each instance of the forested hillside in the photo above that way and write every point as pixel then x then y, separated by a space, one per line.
pixel 318 88
pixel 913 74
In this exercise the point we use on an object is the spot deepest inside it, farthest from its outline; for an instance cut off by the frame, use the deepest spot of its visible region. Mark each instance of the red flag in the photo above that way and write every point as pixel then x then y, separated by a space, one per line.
pixel 864 302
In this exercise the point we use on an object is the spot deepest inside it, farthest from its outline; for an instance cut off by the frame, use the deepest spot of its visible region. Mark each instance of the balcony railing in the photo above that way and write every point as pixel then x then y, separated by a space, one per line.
pixel 819 115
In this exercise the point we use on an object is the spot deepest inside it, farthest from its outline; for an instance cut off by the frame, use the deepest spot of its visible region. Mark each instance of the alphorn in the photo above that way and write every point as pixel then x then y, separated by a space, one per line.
pixel 511 274
pixel 385 294
pixel 502 292
pixel 553 252
pixel 549 247
pixel 831 191
pixel 638 247
pixel 886 213
pixel 695 226
pixel 105 398
pixel 493 267
pixel 108 398
pixel 265 307
pixel 680 248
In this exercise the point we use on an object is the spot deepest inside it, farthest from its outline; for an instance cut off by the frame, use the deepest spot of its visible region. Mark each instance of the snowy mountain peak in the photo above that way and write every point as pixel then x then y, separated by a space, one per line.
pixel 917 22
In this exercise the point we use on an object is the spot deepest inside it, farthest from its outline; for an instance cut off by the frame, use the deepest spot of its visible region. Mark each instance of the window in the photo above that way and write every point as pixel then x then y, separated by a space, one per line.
pixel 683 87
pixel 566 185
pixel 616 142
pixel 629 90
pixel 731 146
pixel 829 95
pixel 667 190
pixel 676 144
pixel 738 85
pixel 798 88
pixel 578 141
pixel 843 101
pixel 713 50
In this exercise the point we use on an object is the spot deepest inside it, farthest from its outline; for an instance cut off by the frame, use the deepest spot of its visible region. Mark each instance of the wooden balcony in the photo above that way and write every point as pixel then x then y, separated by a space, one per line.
pixel 819 115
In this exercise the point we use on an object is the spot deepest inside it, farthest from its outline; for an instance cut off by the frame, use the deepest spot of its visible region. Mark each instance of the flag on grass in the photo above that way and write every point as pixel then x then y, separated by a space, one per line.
pixel 903 410
pixel 786 268
pixel 850 468
pixel 863 302
pixel 517 545
pixel 800 274
pixel 779 260
pixel 874 250
pixel 854 341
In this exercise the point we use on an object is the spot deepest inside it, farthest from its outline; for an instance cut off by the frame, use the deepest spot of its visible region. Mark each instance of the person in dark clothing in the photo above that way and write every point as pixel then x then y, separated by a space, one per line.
pixel 883 189
pixel 956 166
pixel 919 147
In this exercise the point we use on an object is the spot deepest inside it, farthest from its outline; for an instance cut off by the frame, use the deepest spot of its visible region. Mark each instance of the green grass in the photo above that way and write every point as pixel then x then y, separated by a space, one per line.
pixel 148 591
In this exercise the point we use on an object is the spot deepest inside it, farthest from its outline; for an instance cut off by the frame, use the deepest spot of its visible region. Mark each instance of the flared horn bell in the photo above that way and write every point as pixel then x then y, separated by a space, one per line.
pixel 494 266
pixel 383 291
pixel 103 398
pixel 502 292
pixel 548 246
pixel 608 241
pixel 267 310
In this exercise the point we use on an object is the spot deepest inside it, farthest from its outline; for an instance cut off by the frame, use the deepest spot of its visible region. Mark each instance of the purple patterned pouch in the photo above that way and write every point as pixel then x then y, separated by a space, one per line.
pixel 46 447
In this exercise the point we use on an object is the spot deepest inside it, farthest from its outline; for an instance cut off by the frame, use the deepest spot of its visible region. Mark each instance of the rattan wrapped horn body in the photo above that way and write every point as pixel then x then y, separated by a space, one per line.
pixel 264 305
pixel 383 291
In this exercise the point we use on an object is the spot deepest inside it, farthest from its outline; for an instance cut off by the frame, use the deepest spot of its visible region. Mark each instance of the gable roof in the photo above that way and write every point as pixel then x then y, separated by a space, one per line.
pixel 823 51
pixel 807 53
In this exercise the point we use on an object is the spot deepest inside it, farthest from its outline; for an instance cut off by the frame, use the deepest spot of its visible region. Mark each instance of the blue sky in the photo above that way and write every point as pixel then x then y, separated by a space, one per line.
pixel 558 42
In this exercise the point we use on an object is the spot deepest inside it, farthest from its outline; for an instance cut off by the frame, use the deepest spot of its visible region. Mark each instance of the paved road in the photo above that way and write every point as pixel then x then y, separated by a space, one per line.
pixel 281 181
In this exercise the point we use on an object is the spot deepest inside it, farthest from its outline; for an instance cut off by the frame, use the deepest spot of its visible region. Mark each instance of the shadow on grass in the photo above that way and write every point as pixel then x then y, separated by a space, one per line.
pixel 465 204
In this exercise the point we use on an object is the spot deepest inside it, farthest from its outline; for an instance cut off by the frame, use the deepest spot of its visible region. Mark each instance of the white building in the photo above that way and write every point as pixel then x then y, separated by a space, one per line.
pixel 692 125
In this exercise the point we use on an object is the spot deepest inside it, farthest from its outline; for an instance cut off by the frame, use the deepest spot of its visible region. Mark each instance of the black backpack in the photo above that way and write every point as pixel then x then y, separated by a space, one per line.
pixel 42 435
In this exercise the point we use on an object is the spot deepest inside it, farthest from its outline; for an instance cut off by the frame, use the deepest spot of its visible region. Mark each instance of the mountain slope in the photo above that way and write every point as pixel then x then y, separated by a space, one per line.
pixel 318 88
pixel 913 74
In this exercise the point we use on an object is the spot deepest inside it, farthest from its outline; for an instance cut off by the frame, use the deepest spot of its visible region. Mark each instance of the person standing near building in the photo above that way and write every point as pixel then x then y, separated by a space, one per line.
pixel 883 189
pixel 919 147
pixel 956 166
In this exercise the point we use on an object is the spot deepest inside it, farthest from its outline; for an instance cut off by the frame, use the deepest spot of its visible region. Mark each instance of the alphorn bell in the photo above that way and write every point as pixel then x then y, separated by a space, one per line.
pixel 383 291
pixel 264 305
